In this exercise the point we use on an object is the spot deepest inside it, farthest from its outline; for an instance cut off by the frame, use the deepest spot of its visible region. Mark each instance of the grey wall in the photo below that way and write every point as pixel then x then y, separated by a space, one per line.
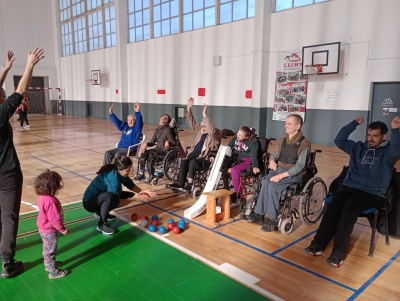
pixel 321 126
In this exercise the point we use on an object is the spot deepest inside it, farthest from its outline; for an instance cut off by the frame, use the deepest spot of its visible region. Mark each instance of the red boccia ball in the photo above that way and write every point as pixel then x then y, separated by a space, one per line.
pixel 134 216
pixel 176 230
pixel 154 222
pixel 145 217
pixel 171 226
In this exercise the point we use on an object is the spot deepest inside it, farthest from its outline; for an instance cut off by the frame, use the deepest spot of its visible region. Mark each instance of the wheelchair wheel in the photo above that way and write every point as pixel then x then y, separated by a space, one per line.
pixel 155 182
pixel 286 226
pixel 171 165
pixel 312 203
pixel 196 193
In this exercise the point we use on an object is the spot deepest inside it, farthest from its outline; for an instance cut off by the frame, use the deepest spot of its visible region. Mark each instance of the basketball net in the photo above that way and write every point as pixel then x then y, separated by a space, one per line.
pixel 312 71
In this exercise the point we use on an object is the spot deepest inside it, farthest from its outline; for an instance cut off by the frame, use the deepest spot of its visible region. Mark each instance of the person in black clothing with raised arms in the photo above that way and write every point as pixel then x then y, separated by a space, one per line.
pixel 10 170
pixel 162 140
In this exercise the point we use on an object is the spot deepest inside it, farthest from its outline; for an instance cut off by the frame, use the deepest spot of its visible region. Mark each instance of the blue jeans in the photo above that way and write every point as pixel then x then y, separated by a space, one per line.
pixel 271 192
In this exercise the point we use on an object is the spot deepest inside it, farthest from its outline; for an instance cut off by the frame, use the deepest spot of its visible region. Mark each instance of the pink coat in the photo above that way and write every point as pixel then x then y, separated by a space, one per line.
pixel 50 218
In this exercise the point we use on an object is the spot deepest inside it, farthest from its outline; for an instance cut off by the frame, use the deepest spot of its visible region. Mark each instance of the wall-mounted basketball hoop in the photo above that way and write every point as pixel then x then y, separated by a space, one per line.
pixel 312 71
pixel 95 77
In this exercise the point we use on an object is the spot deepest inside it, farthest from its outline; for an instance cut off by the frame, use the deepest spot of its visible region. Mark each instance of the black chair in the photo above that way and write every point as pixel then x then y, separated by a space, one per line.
pixel 372 215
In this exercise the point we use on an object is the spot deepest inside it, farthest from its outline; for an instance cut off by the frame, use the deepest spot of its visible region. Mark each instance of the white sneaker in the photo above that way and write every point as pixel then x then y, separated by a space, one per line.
pixel 27 127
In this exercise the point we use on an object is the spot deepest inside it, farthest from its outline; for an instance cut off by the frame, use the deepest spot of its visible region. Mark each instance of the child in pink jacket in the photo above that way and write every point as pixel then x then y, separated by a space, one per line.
pixel 50 220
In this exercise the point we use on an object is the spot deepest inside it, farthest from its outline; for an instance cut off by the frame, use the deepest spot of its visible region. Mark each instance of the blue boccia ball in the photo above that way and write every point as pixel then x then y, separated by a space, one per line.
pixel 154 217
pixel 152 228
pixel 182 224
pixel 171 220
pixel 162 230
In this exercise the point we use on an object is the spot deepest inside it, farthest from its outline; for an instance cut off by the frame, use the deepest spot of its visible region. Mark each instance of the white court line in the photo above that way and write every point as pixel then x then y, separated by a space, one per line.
pixel 225 268
pixel 31 205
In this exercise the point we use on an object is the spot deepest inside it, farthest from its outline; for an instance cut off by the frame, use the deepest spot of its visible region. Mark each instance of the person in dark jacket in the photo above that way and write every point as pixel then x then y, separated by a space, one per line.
pixel 105 191
pixel 208 138
pixel 131 133
pixel 364 187
pixel 10 171
pixel 161 141
pixel 244 147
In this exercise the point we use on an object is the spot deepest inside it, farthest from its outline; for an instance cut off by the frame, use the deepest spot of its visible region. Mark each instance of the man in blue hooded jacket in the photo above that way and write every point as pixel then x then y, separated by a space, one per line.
pixel 364 187
pixel 131 133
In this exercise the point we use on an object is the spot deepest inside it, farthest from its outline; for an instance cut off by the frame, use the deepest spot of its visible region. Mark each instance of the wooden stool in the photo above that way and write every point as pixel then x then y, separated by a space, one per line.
pixel 212 196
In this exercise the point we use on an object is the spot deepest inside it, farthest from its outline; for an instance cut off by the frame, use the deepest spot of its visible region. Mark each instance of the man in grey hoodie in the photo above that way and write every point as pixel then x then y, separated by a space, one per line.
pixel 364 187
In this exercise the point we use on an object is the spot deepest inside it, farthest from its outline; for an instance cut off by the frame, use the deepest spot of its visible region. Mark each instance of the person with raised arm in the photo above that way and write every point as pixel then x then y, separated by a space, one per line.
pixel 10 170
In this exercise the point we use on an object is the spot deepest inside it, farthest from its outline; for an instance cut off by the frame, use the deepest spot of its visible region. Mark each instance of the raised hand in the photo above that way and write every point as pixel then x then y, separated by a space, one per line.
pixel 35 56
pixel 9 60
pixel 136 107
pixel 204 110
pixel 359 119
pixel 111 109
pixel 190 103
pixel 396 122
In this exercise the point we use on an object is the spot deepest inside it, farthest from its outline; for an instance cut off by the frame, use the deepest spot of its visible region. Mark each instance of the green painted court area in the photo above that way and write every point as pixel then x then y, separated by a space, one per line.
pixel 129 265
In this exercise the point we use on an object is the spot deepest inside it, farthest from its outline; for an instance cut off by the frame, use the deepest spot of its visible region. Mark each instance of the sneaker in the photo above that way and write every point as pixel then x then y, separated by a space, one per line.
pixel 314 249
pixel 336 259
pixel 149 179
pixel 139 177
pixel 57 274
pixel 11 268
pixel 57 265
pixel 256 218
pixel 234 198
pixel 28 126
pixel 110 218
pixel 188 187
pixel 270 225
pixel 174 186
pixel 105 229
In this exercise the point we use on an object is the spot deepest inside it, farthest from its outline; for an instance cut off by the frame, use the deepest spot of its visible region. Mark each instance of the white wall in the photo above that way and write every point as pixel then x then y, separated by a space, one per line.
pixel 182 63
pixel 370 27
pixel 24 25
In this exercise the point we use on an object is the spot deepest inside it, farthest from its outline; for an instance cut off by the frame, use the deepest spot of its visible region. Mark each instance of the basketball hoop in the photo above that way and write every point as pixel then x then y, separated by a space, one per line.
pixel 312 71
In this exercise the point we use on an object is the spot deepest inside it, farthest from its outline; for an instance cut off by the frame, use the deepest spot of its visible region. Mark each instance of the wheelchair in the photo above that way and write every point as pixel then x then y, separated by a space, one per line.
pixel 164 161
pixel 304 200
pixel 311 195
pixel 172 165
pixel 250 183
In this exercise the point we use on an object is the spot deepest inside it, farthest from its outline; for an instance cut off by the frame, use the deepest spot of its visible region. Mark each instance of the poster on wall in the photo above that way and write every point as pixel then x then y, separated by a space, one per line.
pixel 290 86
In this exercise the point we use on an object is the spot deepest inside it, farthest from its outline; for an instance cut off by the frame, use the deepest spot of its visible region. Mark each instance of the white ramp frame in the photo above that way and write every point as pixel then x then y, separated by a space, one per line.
pixel 212 183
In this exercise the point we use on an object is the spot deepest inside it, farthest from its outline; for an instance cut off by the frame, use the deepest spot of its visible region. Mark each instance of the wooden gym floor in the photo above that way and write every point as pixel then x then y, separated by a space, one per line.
pixel 272 264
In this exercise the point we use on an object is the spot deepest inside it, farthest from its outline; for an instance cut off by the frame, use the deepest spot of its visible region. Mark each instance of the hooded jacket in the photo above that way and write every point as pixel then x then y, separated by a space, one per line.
pixel 370 169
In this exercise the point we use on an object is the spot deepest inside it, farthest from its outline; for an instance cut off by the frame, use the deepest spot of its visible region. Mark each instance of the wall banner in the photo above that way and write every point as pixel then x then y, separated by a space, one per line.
pixel 290 86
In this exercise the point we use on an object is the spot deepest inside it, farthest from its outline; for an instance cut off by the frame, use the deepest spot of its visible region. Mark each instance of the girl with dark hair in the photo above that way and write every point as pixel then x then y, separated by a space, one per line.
pixel 244 147
pixel 50 220
pixel 105 191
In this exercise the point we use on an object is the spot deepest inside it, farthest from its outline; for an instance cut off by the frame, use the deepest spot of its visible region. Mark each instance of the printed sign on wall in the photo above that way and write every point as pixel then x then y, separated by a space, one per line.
pixel 290 86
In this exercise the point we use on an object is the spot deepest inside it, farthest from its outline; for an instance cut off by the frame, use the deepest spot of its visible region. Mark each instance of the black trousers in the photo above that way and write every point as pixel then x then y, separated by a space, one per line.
pixel 341 215
pixel 23 116
pixel 149 157
pixel 116 152
pixel 10 203
pixel 102 203
pixel 189 166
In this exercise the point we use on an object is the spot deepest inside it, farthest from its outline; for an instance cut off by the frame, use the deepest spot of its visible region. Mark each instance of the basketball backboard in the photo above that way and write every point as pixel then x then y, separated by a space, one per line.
pixel 326 55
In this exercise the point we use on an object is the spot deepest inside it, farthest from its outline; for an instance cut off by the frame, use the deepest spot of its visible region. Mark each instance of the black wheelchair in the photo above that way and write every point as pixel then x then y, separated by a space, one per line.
pixel 310 195
pixel 172 165
pixel 304 200
pixel 250 183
